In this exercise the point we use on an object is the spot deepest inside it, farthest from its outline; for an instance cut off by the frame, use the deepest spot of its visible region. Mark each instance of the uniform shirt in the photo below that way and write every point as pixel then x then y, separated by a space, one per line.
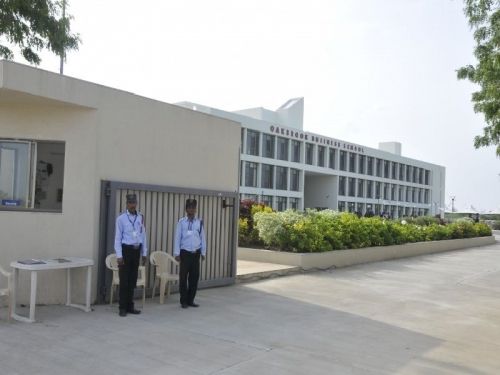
pixel 190 236
pixel 130 230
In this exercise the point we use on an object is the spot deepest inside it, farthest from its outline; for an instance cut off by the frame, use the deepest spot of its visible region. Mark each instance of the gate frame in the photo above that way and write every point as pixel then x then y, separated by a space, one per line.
pixel 107 221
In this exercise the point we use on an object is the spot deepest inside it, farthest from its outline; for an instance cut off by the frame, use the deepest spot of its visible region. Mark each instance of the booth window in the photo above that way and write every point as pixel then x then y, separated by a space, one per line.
pixel 31 175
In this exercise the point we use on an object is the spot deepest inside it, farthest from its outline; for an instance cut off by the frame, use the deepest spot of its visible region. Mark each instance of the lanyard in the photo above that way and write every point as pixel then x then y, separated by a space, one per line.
pixel 133 223
pixel 190 224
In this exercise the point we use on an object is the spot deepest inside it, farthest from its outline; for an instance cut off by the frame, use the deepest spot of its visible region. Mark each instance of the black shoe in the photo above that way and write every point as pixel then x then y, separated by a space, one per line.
pixel 184 305
pixel 192 304
pixel 134 311
pixel 123 313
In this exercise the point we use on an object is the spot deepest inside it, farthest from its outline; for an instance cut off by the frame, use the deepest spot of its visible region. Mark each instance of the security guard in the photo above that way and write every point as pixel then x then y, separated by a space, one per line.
pixel 189 246
pixel 130 244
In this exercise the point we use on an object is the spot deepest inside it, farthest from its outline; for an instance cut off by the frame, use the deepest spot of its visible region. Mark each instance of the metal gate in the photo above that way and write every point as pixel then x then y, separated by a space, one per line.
pixel 162 208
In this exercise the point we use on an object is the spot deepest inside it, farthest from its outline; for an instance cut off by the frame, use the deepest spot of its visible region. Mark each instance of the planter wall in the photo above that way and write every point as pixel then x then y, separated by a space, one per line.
pixel 345 258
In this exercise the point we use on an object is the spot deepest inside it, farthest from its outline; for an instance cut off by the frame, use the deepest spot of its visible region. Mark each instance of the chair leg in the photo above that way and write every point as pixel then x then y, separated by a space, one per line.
pixel 162 290
pixel 111 296
pixel 154 287
pixel 10 307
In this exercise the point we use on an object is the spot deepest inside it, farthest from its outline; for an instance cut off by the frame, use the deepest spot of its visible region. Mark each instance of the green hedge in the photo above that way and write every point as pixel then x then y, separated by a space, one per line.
pixel 317 231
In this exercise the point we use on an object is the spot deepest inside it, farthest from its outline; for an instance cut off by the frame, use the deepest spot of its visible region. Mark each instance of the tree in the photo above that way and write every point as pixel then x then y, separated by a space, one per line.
pixel 484 19
pixel 33 25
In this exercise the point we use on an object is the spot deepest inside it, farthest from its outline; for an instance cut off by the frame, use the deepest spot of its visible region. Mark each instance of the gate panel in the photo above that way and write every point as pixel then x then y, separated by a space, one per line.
pixel 162 207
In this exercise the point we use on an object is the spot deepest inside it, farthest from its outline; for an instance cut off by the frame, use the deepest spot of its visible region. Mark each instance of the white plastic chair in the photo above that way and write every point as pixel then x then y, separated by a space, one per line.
pixel 112 264
pixel 7 291
pixel 160 260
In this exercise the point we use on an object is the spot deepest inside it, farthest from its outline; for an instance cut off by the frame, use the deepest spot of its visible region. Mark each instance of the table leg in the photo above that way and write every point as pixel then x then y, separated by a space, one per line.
pixel 68 287
pixel 33 295
pixel 89 279
pixel 15 283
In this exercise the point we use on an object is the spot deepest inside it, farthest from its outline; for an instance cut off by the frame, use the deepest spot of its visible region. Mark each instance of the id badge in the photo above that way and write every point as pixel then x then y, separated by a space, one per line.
pixel 134 233
pixel 189 232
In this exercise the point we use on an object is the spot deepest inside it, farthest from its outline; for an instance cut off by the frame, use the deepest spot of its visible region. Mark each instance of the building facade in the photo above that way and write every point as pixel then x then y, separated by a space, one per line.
pixel 284 167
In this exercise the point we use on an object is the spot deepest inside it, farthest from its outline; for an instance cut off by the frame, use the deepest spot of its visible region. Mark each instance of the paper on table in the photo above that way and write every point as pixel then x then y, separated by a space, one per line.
pixel 31 261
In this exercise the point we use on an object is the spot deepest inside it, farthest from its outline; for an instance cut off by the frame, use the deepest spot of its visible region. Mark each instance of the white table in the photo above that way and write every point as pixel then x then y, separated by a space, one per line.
pixel 50 264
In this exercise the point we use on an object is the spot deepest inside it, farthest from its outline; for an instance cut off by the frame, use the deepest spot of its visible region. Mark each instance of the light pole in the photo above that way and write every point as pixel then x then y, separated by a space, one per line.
pixel 452 203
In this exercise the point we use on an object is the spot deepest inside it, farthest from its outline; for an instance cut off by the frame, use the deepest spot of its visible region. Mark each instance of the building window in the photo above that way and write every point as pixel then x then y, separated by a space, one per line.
pixel 394 171
pixel 281 203
pixel 343 161
pixel 242 139
pixel 281 178
pixel 427 177
pixel 341 206
pixel 294 203
pixel 386 191
pixel 252 142
pixel 282 148
pixel 369 189
pixel 415 175
pixel 419 195
pixel 393 192
pixel 420 176
pixel 401 193
pixel 408 173
pixel 331 158
pixel 267 200
pixel 361 185
pixel 268 145
pixel 369 165
pixel 296 151
pixel 413 195
pixel 31 166
pixel 251 174
pixel 408 194
pixel 321 156
pixel 351 207
pixel 387 165
pixel 309 153
pixel 361 164
pixel 266 180
pixel 377 190
pixel 401 172
pixel 352 162
pixel 342 185
pixel 378 167
pixel 426 196
pixel 294 179
pixel 351 187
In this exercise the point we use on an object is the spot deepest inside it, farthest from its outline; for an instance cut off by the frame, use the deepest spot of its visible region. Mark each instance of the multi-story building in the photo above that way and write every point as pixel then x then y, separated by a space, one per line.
pixel 284 167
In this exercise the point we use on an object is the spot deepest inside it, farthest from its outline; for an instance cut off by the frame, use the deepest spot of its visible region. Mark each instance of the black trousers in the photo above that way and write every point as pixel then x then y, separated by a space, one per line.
pixel 128 276
pixel 189 274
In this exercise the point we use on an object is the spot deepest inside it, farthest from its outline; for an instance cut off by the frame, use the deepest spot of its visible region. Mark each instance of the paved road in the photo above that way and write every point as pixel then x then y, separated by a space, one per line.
pixel 435 314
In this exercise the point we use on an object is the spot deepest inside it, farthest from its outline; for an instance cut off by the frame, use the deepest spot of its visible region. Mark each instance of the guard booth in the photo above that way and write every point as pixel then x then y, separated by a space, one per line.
pixel 162 207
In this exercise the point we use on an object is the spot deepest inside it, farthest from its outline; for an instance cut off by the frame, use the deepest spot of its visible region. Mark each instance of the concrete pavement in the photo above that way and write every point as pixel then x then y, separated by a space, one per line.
pixel 434 314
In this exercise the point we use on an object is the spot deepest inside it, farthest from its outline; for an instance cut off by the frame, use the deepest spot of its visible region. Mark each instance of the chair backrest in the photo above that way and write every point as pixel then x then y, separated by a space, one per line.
pixel 5 291
pixel 160 260
pixel 111 262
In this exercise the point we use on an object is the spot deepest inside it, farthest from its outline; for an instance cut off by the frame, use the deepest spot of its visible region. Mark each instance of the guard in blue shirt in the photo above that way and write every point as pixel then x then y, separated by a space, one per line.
pixel 130 245
pixel 189 246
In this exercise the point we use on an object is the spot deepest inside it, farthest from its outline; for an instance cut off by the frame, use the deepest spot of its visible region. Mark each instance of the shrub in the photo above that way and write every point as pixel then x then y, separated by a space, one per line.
pixel 248 235
pixel 317 231
pixel 482 230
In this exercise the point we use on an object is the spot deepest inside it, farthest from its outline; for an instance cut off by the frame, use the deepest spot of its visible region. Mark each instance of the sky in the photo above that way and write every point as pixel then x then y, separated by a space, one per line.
pixel 369 71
